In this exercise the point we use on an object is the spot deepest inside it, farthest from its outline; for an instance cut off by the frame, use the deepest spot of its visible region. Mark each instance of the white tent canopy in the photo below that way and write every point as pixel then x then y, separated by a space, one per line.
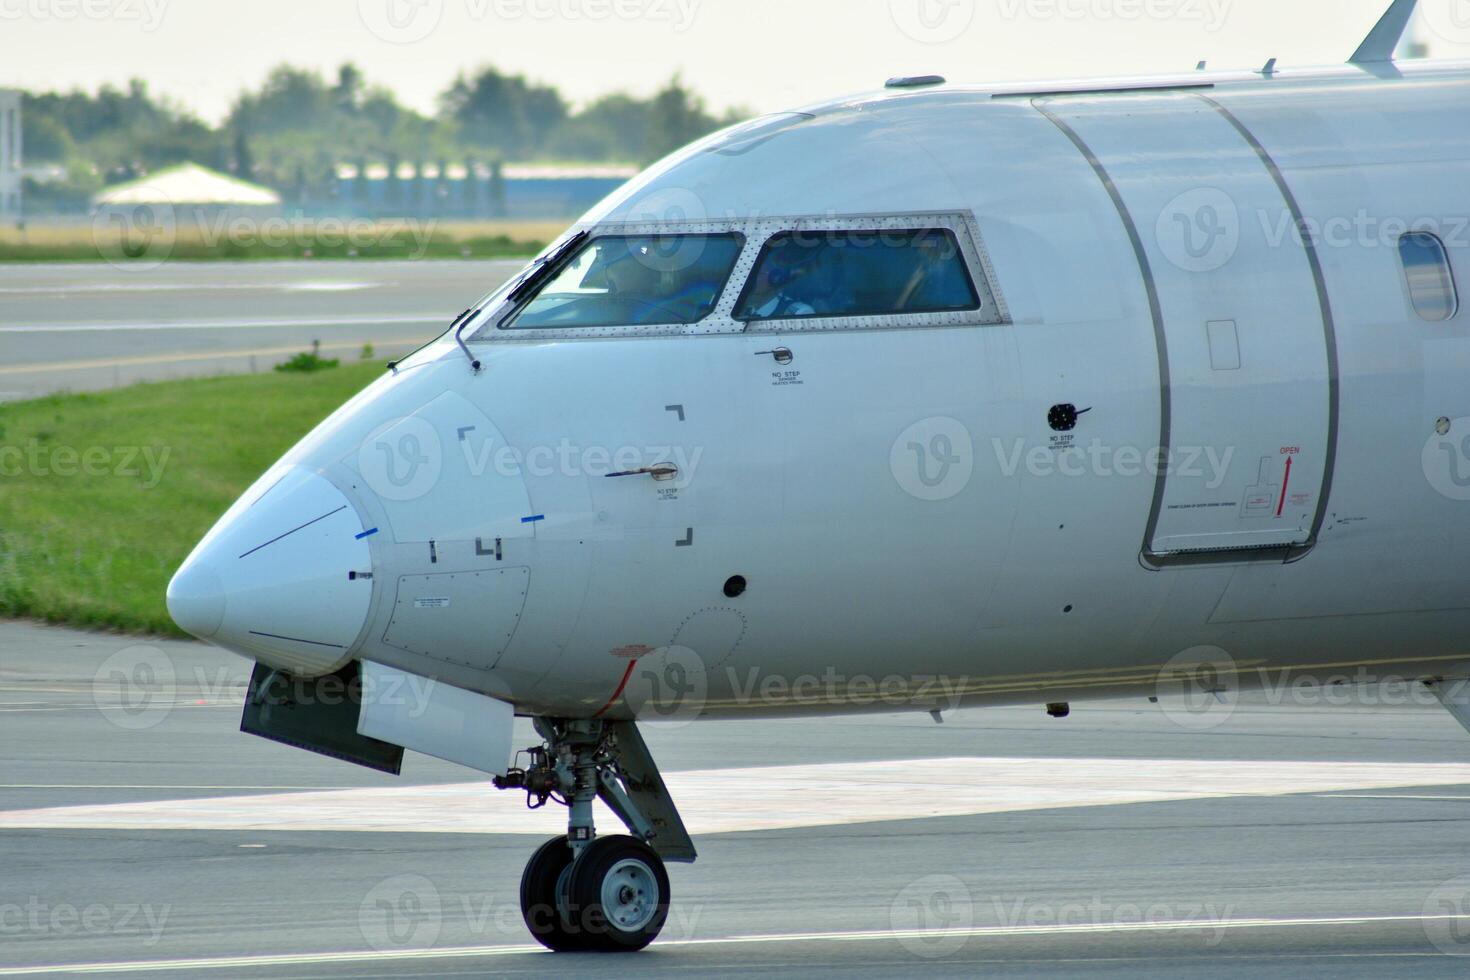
pixel 188 183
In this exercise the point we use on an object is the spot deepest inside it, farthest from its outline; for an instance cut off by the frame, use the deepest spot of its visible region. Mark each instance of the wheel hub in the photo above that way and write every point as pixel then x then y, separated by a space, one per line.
pixel 630 895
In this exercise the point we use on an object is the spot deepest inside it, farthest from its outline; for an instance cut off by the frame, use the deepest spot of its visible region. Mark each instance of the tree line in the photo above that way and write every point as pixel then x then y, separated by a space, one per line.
pixel 294 130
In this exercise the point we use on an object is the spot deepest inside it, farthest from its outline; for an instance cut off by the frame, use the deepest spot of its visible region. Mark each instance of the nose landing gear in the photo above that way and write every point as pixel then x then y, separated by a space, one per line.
pixel 581 892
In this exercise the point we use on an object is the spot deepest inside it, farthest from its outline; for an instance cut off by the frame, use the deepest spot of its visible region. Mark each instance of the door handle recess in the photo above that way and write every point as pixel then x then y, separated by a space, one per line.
pixel 661 472
pixel 1064 418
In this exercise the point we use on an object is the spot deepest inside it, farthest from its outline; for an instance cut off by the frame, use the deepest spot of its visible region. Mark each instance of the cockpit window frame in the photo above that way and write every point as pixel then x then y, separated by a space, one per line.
pixel 992 310
pixel 910 236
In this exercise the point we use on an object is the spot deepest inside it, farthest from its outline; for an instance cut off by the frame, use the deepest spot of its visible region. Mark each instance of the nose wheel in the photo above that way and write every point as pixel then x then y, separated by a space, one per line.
pixel 613 897
pixel 581 892
pixel 543 885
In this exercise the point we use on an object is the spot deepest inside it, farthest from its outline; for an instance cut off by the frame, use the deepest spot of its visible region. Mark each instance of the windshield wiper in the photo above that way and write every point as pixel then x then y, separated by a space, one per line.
pixel 544 268
pixel 529 281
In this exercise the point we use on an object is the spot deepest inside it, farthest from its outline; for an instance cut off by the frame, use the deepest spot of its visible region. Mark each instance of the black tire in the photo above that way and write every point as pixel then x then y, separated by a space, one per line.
pixel 617 896
pixel 539 906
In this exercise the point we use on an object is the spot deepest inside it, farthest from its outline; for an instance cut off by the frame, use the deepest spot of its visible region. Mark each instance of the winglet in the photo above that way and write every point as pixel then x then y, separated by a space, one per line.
pixel 1384 39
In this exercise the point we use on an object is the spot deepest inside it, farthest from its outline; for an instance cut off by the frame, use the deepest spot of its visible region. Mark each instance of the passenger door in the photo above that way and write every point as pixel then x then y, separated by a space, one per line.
pixel 1244 331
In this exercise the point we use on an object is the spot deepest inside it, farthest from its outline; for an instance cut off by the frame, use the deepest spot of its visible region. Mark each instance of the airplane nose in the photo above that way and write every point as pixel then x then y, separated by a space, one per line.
pixel 284 577
pixel 196 600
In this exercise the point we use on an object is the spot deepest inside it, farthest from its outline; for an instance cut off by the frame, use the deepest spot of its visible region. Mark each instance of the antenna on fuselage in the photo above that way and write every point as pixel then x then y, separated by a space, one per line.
pixel 1385 38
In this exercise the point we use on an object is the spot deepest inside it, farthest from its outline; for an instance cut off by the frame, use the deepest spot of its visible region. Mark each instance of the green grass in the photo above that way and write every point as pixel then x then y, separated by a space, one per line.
pixel 102 496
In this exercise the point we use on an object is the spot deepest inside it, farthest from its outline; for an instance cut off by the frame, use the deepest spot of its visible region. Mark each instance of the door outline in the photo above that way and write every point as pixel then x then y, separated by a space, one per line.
pixel 1276 553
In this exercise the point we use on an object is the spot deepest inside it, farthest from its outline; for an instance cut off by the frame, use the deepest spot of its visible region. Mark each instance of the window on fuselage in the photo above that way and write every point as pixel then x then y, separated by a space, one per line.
pixel 1431 280
pixel 634 280
pixel 809 274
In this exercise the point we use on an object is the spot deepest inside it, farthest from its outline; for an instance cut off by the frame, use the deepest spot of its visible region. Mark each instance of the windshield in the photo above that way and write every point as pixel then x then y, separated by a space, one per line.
pixel 634 280
pixel 858 273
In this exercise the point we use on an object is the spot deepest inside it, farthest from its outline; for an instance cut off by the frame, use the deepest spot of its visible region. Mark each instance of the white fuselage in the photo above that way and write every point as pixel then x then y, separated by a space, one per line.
pixel 900 508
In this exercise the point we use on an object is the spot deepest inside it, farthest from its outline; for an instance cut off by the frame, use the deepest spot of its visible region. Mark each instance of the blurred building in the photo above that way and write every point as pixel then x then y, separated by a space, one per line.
pixel 471 191
pixel 190 193
pixel 10 156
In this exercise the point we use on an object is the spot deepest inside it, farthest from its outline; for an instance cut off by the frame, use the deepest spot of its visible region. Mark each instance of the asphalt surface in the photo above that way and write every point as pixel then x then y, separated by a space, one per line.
pixel 86 327
pixel 1365 879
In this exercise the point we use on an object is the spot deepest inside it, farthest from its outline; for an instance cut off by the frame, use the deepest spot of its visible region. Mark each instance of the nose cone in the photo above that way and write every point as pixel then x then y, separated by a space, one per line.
pixel 282 577
pixel 196 600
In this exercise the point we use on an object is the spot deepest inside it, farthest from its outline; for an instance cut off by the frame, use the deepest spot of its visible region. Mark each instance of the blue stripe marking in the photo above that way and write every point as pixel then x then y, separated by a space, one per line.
pixel 367 534
pixel 533 520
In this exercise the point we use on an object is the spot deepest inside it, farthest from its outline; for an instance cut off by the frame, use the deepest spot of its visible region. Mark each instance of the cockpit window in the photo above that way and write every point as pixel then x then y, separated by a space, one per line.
pixel 766 273
pixel 805 274
pixel 634 280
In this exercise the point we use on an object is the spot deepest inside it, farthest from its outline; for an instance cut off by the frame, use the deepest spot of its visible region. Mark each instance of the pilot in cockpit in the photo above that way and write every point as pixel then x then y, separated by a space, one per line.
pixel 777 291
pixel 627 271
pixel 636 288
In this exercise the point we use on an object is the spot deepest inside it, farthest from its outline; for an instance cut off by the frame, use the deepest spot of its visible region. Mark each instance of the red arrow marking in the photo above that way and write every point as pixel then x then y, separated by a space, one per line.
pixel 1286 482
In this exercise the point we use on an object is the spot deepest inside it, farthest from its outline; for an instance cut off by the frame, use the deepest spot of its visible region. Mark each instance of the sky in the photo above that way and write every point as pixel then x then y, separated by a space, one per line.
pixel 764 55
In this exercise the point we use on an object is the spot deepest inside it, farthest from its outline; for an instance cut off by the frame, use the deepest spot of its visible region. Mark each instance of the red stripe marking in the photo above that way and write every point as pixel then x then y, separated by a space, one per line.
pixel 619 692
pixel 1286 482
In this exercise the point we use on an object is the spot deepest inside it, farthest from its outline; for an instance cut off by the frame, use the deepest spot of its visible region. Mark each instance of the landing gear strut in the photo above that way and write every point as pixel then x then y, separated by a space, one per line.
pixel 581 891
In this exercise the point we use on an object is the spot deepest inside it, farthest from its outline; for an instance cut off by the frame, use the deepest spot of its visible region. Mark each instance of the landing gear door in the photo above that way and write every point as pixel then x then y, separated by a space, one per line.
pixel 1245 339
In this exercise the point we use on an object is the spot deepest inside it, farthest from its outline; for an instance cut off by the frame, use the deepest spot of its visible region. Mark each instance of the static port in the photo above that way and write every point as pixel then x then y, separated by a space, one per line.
pixel 735 586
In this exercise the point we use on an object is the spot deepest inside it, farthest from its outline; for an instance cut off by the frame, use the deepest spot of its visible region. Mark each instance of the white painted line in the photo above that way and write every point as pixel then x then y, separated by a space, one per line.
pixel 175 786
pixel 716 801
pixel 1390 796
pixel 61 289
pixel 326 287
pixel 239 323
pixel 875 935
pixel 181 269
